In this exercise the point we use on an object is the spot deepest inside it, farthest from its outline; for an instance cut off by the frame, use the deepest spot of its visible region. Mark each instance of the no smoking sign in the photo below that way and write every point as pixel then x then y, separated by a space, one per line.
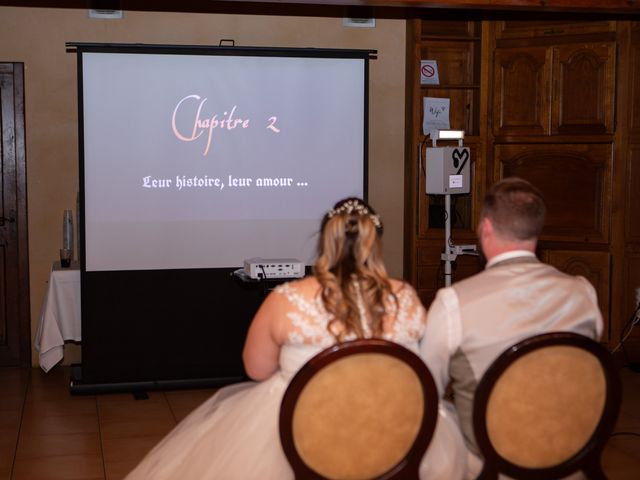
pixel 429 72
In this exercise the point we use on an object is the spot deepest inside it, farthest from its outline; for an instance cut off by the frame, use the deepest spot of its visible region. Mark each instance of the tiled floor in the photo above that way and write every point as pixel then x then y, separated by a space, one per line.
pixel 46 433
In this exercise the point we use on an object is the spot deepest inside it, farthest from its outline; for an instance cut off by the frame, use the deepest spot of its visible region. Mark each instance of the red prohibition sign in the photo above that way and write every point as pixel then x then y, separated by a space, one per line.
pixel 428 71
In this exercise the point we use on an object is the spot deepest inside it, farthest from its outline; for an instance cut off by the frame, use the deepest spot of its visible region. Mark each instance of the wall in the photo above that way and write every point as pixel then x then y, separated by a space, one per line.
pixel 37 36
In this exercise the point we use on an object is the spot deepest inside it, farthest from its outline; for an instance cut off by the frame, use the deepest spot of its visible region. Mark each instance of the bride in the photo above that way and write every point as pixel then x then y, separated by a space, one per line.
pixel 234 434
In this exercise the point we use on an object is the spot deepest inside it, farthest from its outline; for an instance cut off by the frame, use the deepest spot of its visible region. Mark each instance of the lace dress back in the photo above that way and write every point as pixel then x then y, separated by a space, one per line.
pixel 309 323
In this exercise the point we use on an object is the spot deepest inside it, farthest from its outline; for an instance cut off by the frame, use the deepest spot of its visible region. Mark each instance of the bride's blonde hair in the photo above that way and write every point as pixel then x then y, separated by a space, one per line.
pixel 350 260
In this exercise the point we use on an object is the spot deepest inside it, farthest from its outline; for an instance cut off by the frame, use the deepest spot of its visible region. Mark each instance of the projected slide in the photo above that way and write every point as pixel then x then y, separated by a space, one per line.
pixel 204 160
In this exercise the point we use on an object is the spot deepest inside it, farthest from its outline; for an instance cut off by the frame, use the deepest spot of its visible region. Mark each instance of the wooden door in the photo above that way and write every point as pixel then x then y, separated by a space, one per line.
pixel 522 91
pixel 15 335
pixel 629 297
pixel 583 94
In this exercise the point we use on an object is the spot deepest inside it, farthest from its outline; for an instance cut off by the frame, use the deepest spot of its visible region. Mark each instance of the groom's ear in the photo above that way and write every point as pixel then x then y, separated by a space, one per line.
pixel 484 226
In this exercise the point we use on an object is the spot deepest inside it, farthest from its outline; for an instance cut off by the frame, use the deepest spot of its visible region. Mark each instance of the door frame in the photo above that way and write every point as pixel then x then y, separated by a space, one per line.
pixel 21 323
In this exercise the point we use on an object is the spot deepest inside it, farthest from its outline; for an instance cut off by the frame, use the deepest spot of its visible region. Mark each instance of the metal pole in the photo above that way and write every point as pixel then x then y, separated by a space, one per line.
pixel 447 240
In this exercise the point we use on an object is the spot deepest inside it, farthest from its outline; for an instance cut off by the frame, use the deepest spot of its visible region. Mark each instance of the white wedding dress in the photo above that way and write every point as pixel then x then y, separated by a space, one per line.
pixel 234 435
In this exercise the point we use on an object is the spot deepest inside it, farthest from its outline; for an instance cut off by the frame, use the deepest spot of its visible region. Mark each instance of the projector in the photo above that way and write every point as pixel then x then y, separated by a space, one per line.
pixel 259 268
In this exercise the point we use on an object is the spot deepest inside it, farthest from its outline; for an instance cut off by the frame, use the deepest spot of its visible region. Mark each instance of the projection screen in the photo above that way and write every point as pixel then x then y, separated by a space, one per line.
pixel 203 157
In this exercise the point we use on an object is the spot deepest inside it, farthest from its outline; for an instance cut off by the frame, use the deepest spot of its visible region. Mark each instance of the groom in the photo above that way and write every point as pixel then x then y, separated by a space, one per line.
pixel 470 323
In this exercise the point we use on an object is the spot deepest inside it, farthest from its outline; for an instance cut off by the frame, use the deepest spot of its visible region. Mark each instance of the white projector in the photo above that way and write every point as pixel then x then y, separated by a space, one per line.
pixel 258 268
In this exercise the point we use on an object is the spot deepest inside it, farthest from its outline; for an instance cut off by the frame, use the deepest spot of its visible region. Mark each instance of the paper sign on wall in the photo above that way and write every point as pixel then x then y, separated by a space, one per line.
pixel 429 72
pixel 436 114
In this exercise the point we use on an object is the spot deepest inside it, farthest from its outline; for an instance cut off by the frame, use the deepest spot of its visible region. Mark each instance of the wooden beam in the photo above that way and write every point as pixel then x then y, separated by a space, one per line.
pixel 585 6
pixel 606 6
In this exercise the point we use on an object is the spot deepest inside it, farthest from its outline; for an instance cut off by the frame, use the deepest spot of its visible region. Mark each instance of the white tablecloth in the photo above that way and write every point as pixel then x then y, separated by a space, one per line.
pixel 60 315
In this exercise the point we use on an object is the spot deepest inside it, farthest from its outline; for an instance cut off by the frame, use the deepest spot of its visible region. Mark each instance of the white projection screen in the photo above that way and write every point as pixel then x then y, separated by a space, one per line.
pixel 201 157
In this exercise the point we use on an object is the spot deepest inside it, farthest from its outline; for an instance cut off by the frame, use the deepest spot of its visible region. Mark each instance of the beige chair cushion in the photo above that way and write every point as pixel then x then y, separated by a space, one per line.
pixel 546 406
pixel 358 416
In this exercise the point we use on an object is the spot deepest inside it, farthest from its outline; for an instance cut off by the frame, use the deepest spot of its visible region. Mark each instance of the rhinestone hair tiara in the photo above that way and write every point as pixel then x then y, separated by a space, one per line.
pixel 353 206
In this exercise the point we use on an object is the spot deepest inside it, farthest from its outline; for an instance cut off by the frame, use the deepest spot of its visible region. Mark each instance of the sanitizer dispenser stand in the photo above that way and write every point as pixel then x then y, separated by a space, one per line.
pixel 448 172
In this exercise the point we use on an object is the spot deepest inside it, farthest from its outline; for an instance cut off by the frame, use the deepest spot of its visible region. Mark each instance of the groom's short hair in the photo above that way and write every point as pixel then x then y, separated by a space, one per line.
pixel 516 209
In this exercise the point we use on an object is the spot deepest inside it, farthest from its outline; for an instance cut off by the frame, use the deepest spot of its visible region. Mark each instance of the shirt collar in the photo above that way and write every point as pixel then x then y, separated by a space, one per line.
pixel 508 256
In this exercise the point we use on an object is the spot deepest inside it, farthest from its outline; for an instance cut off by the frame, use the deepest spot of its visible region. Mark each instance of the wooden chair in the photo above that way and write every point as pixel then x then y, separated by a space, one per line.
pixel 364 409
pixel 546 407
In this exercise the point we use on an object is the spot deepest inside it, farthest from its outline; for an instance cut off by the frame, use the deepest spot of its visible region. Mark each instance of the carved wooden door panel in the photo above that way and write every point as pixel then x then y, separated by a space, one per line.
pixel 521 91
pixel 583 94
pixel 14 285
